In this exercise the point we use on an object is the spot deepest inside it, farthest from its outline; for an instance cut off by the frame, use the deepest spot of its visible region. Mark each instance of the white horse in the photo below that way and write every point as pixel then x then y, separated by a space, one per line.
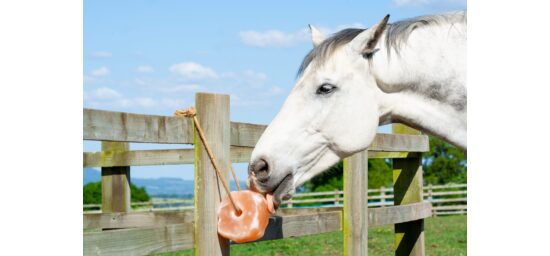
pixel 412 71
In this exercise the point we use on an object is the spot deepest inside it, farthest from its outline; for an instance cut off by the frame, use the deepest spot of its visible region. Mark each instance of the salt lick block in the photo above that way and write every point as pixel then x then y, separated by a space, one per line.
pixel 248 226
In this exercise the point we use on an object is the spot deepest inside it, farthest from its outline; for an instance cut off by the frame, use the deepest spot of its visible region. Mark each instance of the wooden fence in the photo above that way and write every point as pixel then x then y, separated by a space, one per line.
pixel 119 231
pixel 446 200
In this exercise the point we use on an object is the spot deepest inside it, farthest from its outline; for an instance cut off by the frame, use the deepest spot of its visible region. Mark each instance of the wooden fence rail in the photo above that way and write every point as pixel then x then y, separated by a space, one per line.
pixel 124 232
pixel 147 233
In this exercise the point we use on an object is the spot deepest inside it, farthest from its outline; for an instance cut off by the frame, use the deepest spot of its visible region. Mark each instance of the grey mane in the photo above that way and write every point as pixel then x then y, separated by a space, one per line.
pixel 396 34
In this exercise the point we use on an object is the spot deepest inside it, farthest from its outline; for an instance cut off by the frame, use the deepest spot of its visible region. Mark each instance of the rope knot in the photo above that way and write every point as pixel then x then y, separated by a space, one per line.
pixel 190 112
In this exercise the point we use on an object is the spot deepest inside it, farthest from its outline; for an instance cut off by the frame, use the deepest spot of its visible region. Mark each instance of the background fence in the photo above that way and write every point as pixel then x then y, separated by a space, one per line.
pixel 446 200
pixel 117 230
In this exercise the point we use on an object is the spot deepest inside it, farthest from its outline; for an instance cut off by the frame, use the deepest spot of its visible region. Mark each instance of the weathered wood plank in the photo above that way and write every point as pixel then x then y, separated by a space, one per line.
pixel 115 181
pixel 377 216
pixel 400 142
pixel 142 241
pixel 302 225
pixel 303 211
pixel 355 215
pixel 155 157
pixel 399 214
pixel 213 117
pixel 138 158
pixel 245 134
pixel 392 155
pixel 407 189
pixel 136 219
pixel 128 127
pixel 239 154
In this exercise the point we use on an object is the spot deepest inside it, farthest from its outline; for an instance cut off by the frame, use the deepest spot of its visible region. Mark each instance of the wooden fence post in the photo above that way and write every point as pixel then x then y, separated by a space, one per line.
pixel 356 216
pixel 115 181
pixel 213 116
pixel 407 189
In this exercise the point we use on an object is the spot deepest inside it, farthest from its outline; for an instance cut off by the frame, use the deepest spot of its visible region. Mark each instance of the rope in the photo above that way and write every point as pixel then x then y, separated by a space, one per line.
pixel 235 178
pixel 192 112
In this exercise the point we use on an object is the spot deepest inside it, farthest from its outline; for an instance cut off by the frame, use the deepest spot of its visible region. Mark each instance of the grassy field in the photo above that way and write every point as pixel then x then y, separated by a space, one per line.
pixel 444 236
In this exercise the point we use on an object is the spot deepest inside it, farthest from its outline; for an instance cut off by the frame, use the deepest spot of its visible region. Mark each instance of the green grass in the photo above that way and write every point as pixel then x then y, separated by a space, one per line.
pixel 443 236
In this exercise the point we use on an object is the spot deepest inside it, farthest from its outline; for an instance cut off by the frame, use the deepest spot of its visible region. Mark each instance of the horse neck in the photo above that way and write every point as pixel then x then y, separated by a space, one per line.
pixel 428 115
pixel 424 86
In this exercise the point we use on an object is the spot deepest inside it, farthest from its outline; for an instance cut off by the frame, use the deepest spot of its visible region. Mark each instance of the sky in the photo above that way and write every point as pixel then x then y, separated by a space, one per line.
pixel 151 57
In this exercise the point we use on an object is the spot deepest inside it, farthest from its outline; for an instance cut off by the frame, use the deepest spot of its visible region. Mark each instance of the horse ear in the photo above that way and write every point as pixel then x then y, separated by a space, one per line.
pixel 316 36
pixel 365 42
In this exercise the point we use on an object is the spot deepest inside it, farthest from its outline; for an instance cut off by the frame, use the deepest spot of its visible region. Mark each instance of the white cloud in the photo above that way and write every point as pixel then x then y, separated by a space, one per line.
pixel 102 54
pixel 145 69
pixel 273 38
pixel 108 97
pixel 105 93
pixel 140 81
pixel 281 39
pixel 192 70
pixel 145 102
pixel 245 78
pixel 102 71
pixel 121 103
pixel 275 91
pixel 173 103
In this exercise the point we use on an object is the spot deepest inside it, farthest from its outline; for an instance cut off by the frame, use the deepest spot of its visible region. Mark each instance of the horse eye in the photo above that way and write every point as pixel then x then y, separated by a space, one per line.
pixel 325 89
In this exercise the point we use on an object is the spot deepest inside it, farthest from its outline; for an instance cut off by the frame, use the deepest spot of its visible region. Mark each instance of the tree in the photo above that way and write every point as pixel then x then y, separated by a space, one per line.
pixel 379 175
pixel 92 193
pixel 444 163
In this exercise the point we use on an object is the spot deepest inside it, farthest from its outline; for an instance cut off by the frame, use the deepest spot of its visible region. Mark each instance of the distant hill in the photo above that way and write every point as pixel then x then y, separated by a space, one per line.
pixel 164 186
pixel 91 175
pixel 158 186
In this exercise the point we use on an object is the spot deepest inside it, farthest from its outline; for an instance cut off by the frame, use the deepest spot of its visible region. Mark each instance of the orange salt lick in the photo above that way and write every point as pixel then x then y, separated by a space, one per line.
pixel 251 223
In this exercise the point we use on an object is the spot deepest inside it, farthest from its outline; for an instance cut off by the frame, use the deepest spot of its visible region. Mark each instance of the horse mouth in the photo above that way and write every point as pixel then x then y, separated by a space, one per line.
pixel 282 191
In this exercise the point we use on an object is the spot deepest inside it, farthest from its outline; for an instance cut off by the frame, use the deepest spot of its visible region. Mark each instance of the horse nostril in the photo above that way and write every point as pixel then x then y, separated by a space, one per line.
pixel 260 168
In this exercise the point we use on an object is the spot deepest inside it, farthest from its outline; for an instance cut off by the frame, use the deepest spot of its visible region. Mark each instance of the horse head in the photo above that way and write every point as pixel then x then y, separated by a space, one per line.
pixel 331 113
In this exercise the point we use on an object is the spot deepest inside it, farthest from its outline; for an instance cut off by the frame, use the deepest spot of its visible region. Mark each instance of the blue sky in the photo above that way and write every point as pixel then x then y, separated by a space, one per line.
pixel 152 56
